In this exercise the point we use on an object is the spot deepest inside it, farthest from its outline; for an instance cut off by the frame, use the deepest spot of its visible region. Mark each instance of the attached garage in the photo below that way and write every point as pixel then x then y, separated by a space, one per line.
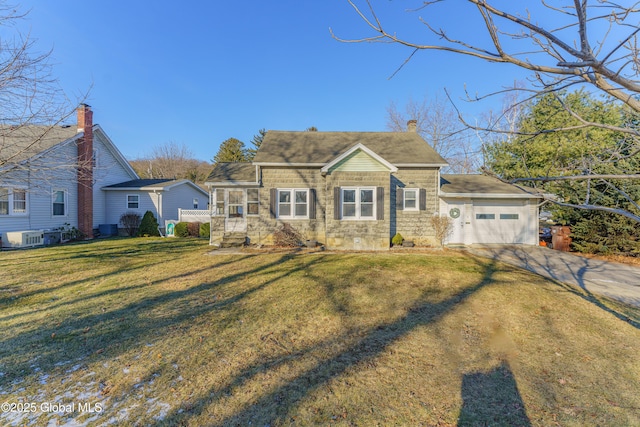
pixel 485 210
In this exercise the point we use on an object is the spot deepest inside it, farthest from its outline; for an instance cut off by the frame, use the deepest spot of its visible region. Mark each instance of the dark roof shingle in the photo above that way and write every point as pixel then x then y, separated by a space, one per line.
pixel 21 143
pixel 139 183
pixel 478 184
pixel 398 148
pixel 232 173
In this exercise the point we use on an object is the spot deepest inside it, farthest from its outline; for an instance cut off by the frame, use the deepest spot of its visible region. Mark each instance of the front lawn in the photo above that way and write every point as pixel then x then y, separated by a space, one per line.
pixel 157 332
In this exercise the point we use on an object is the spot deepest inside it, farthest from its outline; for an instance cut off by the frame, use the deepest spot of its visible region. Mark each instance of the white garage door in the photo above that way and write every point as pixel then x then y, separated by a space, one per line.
pixel 499 222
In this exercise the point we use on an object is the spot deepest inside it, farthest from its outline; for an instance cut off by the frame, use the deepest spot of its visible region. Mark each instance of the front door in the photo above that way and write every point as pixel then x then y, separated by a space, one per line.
pixel 235 221
pixel 456 213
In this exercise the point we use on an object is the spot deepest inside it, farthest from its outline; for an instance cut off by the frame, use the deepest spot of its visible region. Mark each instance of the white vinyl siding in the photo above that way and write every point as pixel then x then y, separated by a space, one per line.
pixel 359 161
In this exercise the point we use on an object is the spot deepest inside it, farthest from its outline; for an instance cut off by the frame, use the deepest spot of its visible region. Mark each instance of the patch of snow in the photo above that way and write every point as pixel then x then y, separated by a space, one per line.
pixel 74 368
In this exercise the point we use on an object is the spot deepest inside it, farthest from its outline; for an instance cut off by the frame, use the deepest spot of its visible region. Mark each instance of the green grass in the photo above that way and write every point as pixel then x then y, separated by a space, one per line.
pixel 158 332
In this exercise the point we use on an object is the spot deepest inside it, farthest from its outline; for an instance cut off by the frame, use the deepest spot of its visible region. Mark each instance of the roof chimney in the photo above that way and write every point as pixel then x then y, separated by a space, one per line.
pixel 412 125
pixel 85 170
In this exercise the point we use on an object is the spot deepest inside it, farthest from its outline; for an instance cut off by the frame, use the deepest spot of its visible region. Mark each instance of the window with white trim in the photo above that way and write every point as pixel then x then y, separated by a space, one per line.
pixel 411 199
pixel 19 201
pixel 359 203
pixel 252 201
pixel 133 201
pixel 219 201
pixel 4 201
pixel 195 203
pixel 293 203
pixel 59 203
pixel 13 201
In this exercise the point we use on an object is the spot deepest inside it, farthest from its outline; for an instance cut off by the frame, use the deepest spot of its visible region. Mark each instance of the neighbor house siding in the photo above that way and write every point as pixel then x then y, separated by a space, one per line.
pixel 180 197
pixel 117 202
pixel 108 171
pixel 42 183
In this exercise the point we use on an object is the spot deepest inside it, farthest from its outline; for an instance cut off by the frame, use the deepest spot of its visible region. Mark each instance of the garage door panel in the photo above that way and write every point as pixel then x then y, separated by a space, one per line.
pixel 495 222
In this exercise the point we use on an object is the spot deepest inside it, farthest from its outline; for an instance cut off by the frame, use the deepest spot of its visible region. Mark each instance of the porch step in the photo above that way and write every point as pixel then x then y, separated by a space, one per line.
pixel 233 240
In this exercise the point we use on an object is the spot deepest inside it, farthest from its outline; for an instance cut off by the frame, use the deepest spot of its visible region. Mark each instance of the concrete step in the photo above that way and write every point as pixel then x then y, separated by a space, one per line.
pixel 233 240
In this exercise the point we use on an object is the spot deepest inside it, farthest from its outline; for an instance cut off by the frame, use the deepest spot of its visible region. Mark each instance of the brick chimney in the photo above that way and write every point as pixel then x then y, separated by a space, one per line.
pixel 85 170
pixel 412 125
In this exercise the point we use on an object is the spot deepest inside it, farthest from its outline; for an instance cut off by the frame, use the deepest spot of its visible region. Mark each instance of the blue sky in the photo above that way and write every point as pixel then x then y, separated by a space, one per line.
pixel 199 72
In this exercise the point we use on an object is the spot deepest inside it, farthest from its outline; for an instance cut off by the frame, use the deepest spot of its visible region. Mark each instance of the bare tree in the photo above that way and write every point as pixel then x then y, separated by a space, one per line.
pixel 172 160
pixel 592 44
pixel 437 122
pixel 32 105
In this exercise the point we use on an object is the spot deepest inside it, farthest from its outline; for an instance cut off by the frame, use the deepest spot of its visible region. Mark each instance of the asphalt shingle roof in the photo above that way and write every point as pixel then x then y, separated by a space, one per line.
pixel 233 172
pixel 478 184
pixel 398 148
pixel 139 183
pixel 21 143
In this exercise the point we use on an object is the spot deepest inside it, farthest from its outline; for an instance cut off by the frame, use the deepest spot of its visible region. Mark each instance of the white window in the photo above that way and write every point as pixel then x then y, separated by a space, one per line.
pixel 195 203
pixel 252 201
pixel 219 201
pixel 133 201
pixel 411 199
pixel 358 203
pixel 4 201
pixel 293 203
pixel 13 201
pixel 59 203
pixel 19 201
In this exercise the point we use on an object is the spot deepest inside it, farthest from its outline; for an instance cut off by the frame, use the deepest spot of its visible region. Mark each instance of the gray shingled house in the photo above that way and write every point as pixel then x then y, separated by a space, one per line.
pixel 347 190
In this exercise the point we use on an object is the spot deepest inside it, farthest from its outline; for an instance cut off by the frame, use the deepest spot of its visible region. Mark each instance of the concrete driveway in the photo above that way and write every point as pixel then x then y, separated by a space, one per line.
pixel 617 281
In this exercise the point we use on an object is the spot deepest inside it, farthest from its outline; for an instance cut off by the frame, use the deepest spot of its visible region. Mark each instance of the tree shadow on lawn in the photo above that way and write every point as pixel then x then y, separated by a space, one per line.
pixel 117 269
pixel 115 331
pixel 577 266
pixel 279 405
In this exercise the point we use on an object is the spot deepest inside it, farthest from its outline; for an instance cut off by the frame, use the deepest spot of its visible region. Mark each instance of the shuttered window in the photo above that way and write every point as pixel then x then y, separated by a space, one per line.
pixel 293 203
pixel 360 203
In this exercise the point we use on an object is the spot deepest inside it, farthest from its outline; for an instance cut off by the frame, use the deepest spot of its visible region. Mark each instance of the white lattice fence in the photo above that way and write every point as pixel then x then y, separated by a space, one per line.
pixel 193 215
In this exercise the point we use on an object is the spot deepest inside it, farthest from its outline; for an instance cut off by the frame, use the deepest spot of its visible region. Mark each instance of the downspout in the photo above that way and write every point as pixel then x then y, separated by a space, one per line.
pixel 324 175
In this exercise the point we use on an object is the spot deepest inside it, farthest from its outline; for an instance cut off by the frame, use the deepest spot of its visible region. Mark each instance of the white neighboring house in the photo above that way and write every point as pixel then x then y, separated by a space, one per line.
pixel 57 177
pixel 485 210
pixel 163 197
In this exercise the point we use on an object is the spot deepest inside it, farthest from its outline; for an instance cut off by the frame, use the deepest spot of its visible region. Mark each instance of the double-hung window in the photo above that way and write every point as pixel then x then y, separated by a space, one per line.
pixel 358 203
pixel 59 203
pixel 219 201
pixel 410 199
pixel 13 201
pixel 252 201
pixel 4 201
pixel 19 201
pixel 293 203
